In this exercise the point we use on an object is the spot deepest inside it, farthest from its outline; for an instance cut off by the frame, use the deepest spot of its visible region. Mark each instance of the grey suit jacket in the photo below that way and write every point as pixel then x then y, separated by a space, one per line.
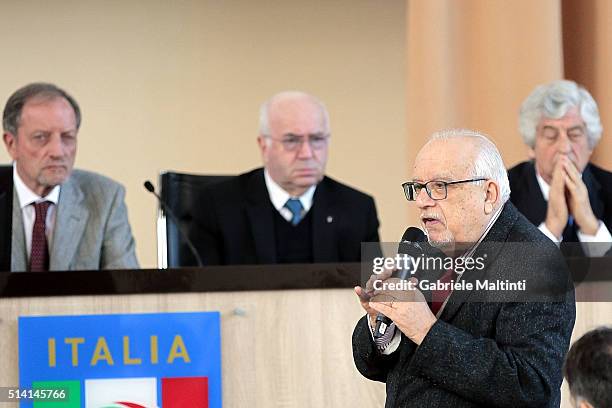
pixel 91 227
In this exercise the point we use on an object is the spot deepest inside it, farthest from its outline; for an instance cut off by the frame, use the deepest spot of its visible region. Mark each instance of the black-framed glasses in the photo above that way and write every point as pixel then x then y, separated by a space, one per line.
pixel 292 142
pixel 436 189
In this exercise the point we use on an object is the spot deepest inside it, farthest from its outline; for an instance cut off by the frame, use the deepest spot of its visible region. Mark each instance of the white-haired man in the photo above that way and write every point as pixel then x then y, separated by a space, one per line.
pixel 568 198
pixel 288 211
pixel 470 348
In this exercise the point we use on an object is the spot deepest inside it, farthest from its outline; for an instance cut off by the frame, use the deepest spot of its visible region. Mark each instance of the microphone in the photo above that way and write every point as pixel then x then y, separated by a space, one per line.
pixel 411 246
pixel 149 186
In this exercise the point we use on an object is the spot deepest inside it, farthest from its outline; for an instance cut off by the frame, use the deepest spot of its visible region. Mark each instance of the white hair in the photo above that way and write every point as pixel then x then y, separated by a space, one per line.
pixel 553 100
pixel 488 163
pixel 264 110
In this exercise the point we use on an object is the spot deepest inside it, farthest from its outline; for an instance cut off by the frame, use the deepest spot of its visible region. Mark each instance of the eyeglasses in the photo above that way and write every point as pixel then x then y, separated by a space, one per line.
pixel 292 143
pixel 436 189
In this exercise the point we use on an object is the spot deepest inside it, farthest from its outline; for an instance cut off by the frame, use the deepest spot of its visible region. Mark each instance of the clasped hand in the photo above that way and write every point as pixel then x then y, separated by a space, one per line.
pixel 569 196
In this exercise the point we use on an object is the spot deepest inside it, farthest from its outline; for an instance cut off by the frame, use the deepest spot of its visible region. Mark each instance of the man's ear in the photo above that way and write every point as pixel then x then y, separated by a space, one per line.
pixel 492 196
pixel 10 141
pixel 262 143
pixel 531 153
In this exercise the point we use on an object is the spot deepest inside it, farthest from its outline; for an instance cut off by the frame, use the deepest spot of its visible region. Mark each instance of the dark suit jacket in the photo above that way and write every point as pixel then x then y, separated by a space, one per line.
pixel 236 225
pixel 484 354
pixel 527 196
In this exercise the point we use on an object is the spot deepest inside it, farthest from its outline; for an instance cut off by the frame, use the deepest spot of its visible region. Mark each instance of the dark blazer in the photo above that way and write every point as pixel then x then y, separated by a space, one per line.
pixel 527 196
pixel 236 224
pixel 485 354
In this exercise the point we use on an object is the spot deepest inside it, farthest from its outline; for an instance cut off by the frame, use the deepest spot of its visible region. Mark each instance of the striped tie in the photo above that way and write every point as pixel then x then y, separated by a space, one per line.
pixel 383 342
pixel 295 206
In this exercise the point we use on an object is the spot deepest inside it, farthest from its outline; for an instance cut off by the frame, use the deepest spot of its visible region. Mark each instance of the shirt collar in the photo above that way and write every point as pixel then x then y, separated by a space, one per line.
pixel 27 196
pixel 279 197
pixel 544 187
pixel 469 253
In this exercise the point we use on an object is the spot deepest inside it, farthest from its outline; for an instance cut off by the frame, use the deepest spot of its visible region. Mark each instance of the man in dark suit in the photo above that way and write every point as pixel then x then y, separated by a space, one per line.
pixel 62 218
pixel 470 348
pixel 288 211
pixel 568 198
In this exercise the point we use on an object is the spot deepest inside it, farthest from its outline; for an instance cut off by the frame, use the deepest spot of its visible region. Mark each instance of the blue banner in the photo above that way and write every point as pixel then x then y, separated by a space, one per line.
pixel 163 360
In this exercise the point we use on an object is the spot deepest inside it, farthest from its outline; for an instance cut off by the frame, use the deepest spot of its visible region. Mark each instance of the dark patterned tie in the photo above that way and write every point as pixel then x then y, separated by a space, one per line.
pixel 39 257
pixel 438 297
pixel 295 206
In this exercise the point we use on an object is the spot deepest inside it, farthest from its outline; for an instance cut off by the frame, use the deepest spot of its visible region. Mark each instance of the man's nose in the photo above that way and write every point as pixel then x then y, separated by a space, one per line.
pixel 423 199
pixel 305 149
pixel 56 146
pixel 564 145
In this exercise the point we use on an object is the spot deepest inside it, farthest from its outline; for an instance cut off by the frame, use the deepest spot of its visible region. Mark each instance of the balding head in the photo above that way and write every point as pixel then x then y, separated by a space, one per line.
pixel 293 139
pixel 291 104
pixel 458 213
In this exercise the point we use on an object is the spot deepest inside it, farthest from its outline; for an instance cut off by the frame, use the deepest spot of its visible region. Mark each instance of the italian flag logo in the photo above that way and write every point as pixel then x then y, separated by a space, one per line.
pixel 121 393
pixel 177 392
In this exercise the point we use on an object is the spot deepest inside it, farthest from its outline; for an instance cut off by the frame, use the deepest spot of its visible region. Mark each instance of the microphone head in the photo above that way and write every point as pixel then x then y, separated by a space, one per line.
pixel 414 234
pixel 149 186
pixel 413 242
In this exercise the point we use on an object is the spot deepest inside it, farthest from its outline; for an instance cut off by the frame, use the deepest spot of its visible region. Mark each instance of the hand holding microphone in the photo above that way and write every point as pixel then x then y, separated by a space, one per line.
pixel 405 306
pixel 367 293
pixel 411 247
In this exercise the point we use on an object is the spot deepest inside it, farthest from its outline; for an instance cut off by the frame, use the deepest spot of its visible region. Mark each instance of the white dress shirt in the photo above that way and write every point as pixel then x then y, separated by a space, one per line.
pixel 279 197
pixel 602 234
pixel 26 198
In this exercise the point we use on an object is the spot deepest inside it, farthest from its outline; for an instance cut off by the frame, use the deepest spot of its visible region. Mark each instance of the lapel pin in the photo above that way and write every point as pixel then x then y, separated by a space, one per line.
pixel 330 219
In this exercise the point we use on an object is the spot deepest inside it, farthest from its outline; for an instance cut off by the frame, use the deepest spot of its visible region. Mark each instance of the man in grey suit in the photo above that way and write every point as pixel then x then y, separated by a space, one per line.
pixel 470 347
pixel 63 219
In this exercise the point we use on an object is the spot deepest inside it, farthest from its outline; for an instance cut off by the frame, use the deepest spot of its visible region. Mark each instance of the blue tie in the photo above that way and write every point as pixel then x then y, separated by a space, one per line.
pixel 295 206
pixel 569 233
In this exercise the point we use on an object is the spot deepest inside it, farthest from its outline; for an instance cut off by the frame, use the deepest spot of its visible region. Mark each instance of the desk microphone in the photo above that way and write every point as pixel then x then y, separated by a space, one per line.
pixel 410 246
pixel 149 186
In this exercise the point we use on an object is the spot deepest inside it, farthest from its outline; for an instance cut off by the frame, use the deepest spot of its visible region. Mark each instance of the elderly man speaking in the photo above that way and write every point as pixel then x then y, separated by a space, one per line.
pixel 461 351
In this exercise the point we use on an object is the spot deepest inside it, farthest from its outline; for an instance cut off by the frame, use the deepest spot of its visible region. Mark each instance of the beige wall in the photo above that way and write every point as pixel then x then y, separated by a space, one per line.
pixel 587 53
pixel 471 70
pixel 468 71
pixel 177 85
